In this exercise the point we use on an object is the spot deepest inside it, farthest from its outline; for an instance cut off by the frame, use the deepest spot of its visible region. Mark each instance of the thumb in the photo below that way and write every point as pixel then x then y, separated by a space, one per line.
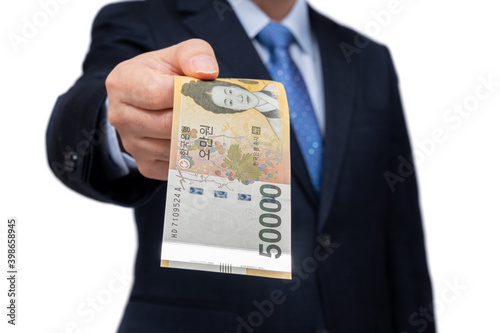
pixel 194 58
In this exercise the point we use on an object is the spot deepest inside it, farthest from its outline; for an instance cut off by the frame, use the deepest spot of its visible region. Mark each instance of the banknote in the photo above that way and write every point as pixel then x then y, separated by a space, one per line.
pixel 228 195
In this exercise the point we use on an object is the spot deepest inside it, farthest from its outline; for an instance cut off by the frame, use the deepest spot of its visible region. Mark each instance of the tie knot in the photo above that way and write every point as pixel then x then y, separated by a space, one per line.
pixel 275 35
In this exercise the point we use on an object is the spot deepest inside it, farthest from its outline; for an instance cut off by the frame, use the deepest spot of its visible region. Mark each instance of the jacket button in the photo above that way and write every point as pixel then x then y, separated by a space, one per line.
pixel 70 161
pixel 326 239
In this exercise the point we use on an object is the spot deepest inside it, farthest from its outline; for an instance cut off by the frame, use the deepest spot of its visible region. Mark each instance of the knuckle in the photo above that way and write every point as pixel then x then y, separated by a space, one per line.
pixel 151 90
pixel 114 117
pixel 112 81
pixel 109 83
pixel 167 122
pixel 147 169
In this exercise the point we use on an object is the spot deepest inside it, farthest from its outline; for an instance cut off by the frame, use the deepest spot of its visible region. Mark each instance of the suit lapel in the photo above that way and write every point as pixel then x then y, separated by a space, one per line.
pixel 339 84
pixel 237 58
pixel 219 26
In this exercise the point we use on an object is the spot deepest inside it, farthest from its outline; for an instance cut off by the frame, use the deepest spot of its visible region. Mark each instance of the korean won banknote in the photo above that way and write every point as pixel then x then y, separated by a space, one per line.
pixel 228 194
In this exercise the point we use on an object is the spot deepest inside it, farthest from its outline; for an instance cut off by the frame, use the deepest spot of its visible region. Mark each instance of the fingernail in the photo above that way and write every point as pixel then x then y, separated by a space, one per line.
pixel 204 64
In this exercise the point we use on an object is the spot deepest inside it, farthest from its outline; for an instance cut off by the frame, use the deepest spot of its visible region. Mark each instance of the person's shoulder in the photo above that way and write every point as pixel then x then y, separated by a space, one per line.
pixel 132 8
pixel 124 6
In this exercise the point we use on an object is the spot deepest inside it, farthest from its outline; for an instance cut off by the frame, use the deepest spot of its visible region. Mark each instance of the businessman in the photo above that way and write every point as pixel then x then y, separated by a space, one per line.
pixel 358 257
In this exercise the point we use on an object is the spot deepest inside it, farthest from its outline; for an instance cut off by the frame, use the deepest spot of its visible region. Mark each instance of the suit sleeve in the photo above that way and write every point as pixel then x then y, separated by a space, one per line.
pixel 407 264
pixel 75 133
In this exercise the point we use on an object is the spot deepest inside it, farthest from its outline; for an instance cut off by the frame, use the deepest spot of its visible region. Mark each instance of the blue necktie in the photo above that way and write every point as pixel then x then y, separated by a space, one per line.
pixel 277 39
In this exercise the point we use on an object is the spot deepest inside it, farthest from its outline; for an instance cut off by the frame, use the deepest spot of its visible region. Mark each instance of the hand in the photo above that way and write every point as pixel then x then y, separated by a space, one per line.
pixel 141 95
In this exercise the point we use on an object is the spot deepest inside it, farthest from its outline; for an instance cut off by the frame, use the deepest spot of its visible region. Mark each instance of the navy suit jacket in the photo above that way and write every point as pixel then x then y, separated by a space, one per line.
pixel 358 250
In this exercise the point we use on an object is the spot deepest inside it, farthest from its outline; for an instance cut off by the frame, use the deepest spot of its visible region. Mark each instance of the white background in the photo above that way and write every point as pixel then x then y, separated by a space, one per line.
pixel 71 248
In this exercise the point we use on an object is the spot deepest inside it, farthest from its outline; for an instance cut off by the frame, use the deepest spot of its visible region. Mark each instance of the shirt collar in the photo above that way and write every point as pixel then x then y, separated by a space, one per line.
pixel 253 20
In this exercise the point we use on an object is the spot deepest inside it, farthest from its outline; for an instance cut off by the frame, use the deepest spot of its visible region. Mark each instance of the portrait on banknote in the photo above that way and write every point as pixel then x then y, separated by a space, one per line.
pixel 223 97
